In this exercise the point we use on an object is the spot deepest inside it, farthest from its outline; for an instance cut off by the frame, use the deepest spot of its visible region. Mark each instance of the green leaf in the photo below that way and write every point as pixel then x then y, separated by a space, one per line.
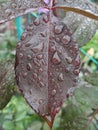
pixel 8 125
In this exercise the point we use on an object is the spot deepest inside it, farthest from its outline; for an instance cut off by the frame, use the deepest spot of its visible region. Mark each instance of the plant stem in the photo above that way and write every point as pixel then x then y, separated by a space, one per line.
pixel 42 128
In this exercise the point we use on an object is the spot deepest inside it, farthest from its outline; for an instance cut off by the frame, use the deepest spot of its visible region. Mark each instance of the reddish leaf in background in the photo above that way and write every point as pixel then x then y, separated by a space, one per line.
pixel 47 65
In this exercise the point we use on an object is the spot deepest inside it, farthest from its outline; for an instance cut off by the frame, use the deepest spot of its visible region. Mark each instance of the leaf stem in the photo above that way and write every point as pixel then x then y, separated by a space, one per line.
pixel 79 11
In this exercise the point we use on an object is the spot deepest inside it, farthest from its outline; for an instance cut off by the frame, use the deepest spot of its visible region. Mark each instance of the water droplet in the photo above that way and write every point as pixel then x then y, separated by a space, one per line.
pixel 29 66
pixel 76 71
pixel 39 57
pixel 36 21
pixel 57 39
pixel 29 57
pixel 30 33
pixel 66 39
pixel 56 59
pixel 40 70
pixel 52 49
pixel 40 101
pixel 75 79
pixel 76 49
pixel 24 75
pixel 58 29
pixel 41 84
pixel 28 44
pixel 56 110
pixel 38 1
pixel 61 77
pixel 19 45
pixel 47 1
pixel 69 60
pixel 21 55
pixel 54 104
pixel 23 36
pixel 53 92
pixel 52 80
pixel 43 34
pixel 35 76
pixel 77 61
pixel 30 91
pixel 67 70
pixel 60 90
pixel 14 5
pixel 44 62
pixel 45 18
pixel 30 28
pixel 8 12
pixel 35 61
pixel 37 48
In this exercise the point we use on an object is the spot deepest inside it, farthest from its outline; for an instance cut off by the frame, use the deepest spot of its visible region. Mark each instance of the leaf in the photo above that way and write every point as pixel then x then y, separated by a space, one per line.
pixel 83 28
pixel 85 8
pixel 47 65
pixel 13 8
pixel 81 111
pixel 91 78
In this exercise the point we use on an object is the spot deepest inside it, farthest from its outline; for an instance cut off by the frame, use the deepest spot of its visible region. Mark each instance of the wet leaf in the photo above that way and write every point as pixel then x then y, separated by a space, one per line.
pixel 83 28
pixel 13 8
pixel 47 65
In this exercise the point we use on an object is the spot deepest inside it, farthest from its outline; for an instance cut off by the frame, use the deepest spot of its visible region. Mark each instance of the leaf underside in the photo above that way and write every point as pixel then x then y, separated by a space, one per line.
pixel 47 65
pixel 11 9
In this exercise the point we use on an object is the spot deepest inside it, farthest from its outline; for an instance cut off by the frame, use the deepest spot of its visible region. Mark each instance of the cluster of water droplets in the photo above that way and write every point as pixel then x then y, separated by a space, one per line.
pixel 13 8
pixel 47 64
pixel 64 64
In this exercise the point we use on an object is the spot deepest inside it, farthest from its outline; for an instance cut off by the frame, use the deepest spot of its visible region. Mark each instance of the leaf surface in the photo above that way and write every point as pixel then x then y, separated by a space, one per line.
pixel 47 65
pixel 13 8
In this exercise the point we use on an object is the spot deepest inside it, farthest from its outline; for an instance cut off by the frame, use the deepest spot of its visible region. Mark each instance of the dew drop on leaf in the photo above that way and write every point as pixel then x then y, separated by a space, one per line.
pixel 56 59
pixel 65 39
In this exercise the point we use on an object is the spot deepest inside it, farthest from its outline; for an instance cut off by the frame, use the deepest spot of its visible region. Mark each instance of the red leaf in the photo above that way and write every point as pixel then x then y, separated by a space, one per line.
pixel 47 65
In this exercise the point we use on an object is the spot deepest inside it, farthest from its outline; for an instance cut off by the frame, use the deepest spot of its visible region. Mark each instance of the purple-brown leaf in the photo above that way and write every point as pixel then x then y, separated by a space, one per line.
pixel 47 65
pixel 11 9
pixel 14 8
